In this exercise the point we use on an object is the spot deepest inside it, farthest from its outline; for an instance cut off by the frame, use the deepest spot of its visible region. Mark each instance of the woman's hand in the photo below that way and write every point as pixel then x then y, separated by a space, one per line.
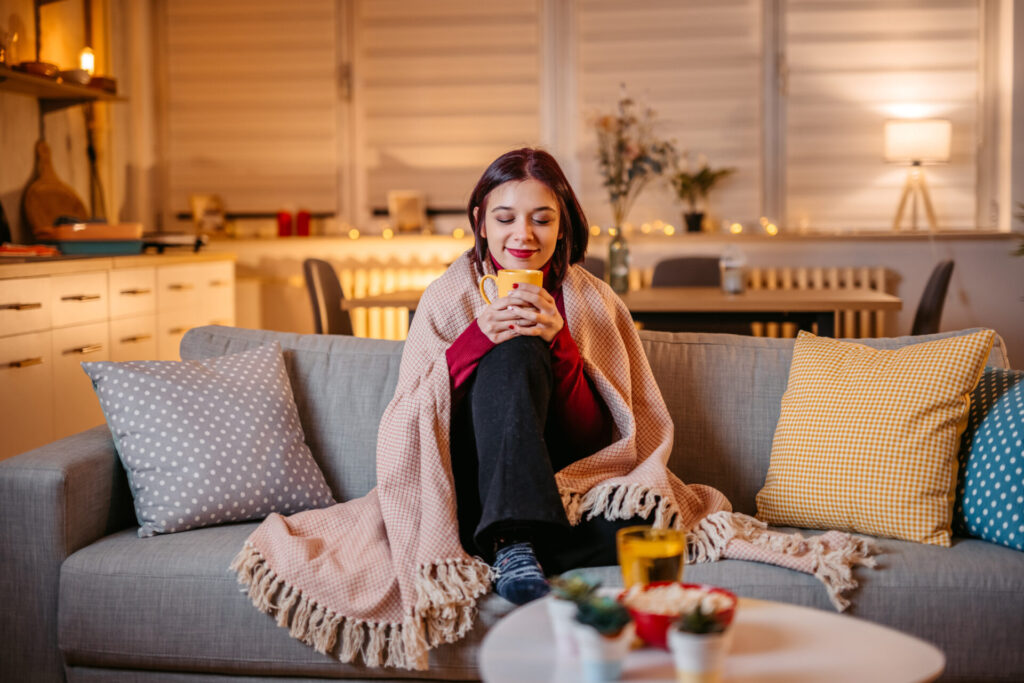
pixel 527 311
pixel 536 312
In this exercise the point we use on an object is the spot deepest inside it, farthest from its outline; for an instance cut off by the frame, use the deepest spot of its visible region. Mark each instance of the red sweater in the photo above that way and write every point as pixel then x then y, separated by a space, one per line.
pixel 575 405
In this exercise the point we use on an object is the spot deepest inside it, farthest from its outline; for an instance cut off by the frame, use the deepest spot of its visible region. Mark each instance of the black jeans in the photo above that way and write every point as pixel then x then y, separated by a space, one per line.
pixel 504 457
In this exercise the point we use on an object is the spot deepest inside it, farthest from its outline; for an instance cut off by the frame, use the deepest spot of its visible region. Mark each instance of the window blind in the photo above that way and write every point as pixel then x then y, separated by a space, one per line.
pixel 699 66
pixel 442 89
pixel 852 66
pixel 250 98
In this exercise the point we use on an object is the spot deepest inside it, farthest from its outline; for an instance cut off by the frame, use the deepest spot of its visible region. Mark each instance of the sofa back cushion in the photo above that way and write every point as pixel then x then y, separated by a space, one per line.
pixel 724 393
pixel 341 386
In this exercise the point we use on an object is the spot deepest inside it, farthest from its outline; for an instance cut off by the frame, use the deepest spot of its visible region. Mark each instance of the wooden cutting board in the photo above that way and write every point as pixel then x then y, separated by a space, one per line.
pixel 47 198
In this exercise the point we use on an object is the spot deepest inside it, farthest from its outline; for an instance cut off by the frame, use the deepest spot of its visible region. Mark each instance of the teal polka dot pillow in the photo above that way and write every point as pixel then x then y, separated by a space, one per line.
pixel 990 490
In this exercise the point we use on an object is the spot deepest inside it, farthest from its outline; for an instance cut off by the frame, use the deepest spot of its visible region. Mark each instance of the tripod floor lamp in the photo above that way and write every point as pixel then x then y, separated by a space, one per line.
pixel 917 142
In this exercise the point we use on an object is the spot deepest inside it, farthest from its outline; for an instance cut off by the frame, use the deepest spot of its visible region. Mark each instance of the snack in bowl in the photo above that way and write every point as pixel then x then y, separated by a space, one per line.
pixel 656 606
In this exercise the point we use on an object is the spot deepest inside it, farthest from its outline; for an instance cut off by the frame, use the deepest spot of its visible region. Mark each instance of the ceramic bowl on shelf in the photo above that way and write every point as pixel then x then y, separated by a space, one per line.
pixel 103 83
pixel 654 617
pixel 44 69
pixel 77 76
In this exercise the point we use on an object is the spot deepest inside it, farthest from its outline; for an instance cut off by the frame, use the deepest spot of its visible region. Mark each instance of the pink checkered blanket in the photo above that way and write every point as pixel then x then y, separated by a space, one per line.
pixel 385 576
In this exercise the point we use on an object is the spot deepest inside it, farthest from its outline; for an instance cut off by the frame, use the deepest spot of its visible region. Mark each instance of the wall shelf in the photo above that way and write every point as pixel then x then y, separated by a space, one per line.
pixel 52 94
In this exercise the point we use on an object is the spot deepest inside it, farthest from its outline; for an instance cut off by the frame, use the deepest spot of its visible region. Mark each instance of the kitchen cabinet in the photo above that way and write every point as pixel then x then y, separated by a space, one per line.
pixel 56 315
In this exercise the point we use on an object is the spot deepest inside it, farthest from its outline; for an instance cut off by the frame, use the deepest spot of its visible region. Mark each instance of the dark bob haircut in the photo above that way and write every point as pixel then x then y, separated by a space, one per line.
pixel 523 164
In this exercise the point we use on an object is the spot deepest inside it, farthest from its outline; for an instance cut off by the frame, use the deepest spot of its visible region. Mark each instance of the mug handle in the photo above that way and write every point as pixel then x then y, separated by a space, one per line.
pixel 482 281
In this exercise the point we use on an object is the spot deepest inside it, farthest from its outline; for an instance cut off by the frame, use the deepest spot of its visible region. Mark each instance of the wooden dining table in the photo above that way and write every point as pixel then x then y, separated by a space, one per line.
pixel 709 308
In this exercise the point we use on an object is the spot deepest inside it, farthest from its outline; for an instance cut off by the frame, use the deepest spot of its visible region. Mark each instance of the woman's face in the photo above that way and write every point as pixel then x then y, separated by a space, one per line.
pixel 521 225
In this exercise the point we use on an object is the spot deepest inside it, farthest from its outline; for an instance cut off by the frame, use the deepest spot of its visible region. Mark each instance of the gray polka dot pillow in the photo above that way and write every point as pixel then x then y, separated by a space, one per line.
pixel 209 442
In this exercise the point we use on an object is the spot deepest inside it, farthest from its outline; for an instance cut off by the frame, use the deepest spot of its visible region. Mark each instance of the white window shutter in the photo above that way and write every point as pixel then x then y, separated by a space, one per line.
pixel 444 87
pixel 854 65
pixel 699 66
pixel 251 103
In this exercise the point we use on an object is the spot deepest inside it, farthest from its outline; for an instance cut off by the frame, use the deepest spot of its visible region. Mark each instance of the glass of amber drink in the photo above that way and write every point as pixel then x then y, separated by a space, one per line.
pixel 647 555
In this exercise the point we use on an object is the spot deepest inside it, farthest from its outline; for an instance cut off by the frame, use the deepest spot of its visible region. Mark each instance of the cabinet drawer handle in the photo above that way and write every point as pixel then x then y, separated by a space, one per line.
pixel 131 292
pixel 178 330
pixel 19 307
pixel 136 339
pixel 180 286
pixel 220 322
pixel 218 283
pixel 24 363
pixel 81 297
pixel 82 350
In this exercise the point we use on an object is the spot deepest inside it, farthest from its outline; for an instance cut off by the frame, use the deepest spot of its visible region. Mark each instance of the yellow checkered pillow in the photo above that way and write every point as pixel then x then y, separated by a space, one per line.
pixel 867 439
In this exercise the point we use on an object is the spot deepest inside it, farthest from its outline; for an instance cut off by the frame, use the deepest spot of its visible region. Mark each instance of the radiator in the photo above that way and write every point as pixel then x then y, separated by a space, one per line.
pixel 847 323
pixel 361 279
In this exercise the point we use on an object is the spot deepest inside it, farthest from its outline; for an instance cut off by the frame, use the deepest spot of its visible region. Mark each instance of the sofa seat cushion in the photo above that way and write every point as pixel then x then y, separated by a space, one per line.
pixel 169 603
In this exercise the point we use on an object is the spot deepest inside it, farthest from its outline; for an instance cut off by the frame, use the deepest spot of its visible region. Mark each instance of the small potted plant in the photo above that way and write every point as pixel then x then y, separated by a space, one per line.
pixel 699 638
pixel 693 186
pixel 603 630
pixel 567 591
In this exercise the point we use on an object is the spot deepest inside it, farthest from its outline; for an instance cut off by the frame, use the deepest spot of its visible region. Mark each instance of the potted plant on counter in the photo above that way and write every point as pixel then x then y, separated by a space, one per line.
pixel 603 630
pixel 629 156
pixel 692 186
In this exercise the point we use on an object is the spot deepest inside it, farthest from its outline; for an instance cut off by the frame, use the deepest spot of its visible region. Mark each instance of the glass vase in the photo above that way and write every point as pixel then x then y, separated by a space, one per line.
pixel 618 263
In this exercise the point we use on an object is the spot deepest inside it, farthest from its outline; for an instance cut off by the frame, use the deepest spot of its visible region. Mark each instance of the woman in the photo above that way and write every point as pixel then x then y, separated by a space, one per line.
pixel 529 426
pixel 506 452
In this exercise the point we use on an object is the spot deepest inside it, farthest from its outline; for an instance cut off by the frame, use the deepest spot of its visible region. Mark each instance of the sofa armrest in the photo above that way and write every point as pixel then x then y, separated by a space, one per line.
pixel 53 501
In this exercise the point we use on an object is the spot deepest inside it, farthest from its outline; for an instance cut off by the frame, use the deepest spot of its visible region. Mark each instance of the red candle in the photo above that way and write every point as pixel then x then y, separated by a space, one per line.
pixel 302 223
pixel 284 224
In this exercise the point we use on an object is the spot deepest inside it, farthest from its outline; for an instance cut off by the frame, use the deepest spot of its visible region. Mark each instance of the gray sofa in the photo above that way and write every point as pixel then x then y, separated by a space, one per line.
pixel 87 600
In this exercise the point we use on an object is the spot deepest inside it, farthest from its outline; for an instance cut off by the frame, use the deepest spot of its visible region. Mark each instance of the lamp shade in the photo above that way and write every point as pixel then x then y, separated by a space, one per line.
pixel 923 141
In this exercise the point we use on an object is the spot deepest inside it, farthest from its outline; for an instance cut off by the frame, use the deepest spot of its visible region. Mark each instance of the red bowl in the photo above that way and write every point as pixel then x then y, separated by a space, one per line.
pixel 653 628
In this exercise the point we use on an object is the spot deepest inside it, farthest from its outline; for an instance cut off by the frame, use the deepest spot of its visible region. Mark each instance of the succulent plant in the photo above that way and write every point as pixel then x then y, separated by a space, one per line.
pixel 697 621
pixel 573 586
pixel 603 613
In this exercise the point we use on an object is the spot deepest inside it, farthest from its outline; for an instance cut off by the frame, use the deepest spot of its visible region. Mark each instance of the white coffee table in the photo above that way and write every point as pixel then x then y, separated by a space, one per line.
pixel 772 641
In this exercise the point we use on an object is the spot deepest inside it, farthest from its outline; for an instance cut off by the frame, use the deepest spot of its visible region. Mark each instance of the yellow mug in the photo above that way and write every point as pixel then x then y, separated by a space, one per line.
pixel 507 277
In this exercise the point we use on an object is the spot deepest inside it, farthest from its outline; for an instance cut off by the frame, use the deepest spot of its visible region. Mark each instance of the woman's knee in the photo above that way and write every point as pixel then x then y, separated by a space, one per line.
pixel 517 354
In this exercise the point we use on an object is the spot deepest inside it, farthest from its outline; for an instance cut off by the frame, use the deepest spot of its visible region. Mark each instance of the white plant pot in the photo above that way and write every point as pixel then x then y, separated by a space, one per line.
pixel 562 614
pixel 601 657
pixel 698 658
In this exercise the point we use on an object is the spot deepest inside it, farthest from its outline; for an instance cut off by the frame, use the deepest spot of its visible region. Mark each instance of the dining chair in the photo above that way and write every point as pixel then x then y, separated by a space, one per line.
pixel 929 308
pixel 687 271
pixel 595 265
pixel 325 295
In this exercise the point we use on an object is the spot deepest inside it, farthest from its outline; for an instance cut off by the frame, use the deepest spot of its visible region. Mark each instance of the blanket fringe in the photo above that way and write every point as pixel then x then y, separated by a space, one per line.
pixel 619 502
pixel 317 626
pixel 445 607
pixel 833 554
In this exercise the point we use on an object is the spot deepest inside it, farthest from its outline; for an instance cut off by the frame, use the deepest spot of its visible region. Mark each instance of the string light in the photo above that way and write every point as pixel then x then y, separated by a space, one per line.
pixel 458 233
pixel 670 230
pixel 613 231
pixel 388 233
pixel 595 230
pixel 736 228
pixel 353 234
pixel 771 229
